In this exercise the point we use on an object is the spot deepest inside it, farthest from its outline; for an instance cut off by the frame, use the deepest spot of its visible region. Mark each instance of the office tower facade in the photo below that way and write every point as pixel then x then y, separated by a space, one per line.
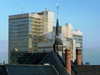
pixel 71 41
pixel 71 46
pixel 27 30
pixel 69 30
pixel 78 37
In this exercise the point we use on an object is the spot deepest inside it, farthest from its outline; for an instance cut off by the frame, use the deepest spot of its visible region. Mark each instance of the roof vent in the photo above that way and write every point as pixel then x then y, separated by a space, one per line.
pixel 46 64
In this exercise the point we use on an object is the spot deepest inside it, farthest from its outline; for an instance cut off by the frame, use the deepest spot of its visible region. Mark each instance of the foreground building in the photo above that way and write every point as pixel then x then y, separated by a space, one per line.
pixel 49 63
pixel 27 30
pixel 9 69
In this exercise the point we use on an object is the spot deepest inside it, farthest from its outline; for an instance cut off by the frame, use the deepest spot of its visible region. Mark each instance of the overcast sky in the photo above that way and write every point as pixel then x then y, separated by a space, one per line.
pixel 81 14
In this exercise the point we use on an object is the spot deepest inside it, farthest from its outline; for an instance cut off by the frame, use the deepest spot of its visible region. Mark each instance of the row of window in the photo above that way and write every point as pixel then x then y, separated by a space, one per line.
pixel 75 37
pixel 78 39
pixel 18 33
pixel 18 36
pixel 36 21
pixel 18 47
pixel 18 30
pixel 20 20
pixel 17 22
pixel 36 26
pixel 25 26
pixel 20 25
pixel 18 39
pixel 18 43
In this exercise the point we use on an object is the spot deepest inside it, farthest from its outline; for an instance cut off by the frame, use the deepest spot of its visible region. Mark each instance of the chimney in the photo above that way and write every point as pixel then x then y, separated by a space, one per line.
pixel 68 60
pixel 78 57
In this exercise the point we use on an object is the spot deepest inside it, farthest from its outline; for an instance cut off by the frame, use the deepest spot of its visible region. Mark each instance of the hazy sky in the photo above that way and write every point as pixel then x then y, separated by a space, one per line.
pixel 82 14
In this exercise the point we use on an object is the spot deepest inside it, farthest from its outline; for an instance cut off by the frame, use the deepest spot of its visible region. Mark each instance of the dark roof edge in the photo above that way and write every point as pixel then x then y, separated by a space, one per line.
pixel 6 69
pixel 28 58
pixel 55 70
pixel 66 70
pixel 44 57
pixel 26 65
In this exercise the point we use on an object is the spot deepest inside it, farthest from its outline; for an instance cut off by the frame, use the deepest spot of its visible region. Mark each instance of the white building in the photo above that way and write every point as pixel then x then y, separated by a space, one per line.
pixel 69 30
pixel 78 37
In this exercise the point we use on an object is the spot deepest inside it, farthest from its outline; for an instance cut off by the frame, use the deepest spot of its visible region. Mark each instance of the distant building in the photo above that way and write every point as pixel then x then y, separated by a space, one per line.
pixel 27 30
pixel 66 30
pixel 66 35
pixel 71 46
pixel 78 37
pixel 87 63
pixel 71 41
pixel 69 30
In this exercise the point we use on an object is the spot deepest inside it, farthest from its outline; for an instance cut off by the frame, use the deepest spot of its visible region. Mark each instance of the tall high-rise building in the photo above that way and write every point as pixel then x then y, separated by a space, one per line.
pixel 27 30
pixel 69 30
pixel 78 36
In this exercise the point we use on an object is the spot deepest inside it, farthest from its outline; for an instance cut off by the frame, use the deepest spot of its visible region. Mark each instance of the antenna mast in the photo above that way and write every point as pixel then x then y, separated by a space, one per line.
pixel 57 9
pixel 22 8
pixel 46 8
